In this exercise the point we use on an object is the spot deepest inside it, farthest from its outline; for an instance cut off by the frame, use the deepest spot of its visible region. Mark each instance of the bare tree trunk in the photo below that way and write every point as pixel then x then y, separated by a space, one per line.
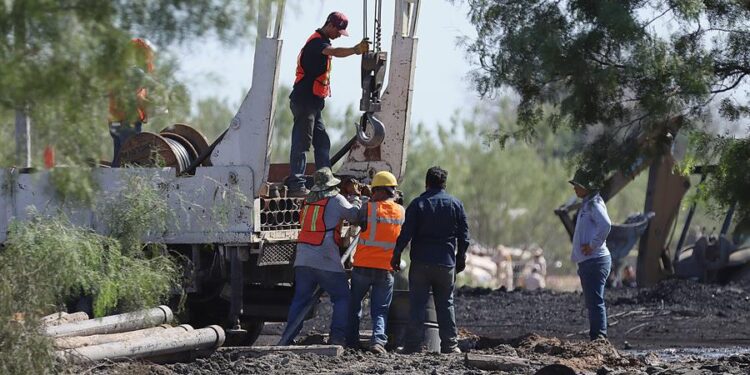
pixel 23 139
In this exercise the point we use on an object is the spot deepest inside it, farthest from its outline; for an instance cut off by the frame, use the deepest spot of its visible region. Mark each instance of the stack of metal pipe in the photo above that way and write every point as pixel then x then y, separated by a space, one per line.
pixel 144 334
pixel 280 213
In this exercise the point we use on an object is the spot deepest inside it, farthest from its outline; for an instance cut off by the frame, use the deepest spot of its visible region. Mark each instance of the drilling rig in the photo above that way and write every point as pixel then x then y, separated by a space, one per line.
pixel 239 259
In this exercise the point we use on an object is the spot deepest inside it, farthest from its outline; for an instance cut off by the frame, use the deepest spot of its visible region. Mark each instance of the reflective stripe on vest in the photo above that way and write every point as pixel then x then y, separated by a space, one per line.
pixel 312 222
pixel 376 243
pixel 322 83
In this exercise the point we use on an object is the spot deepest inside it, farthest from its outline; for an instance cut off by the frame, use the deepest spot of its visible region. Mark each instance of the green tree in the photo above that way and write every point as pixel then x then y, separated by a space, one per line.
pixel 619 70
pixel 510 192
pixel 60 59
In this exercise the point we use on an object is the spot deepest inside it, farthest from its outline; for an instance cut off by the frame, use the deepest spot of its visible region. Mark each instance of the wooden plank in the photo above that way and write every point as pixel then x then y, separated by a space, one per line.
pixel 496 362
pixel 326 350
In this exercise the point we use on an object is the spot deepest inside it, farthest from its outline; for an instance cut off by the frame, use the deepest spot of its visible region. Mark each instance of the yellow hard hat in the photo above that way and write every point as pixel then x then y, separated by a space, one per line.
pixel 383 179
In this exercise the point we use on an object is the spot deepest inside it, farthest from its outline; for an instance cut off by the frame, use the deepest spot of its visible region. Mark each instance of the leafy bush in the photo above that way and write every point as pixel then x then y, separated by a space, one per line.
pixel 48 260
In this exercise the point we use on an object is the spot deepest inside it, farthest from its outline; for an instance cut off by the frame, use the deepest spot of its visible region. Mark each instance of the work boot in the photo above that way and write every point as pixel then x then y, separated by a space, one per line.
pixel 298 193
pixel 337 341
pixel 453 350
pixel 378 349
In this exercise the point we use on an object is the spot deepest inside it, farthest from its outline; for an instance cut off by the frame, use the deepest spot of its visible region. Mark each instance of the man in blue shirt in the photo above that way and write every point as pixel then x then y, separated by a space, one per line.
pixel 436 226
pixel 590 250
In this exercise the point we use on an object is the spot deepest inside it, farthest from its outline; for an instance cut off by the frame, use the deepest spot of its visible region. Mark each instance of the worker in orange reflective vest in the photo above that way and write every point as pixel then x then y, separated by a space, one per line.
pixel 318 258
pixel 311 87
pixel 372 260
pixel 128 105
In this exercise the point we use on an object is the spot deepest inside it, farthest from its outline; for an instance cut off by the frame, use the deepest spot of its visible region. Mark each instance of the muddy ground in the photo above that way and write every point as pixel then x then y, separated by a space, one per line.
pixel 677 327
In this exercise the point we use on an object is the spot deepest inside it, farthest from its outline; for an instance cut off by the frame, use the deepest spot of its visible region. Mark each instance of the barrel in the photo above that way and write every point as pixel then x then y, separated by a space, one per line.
pixel 398 323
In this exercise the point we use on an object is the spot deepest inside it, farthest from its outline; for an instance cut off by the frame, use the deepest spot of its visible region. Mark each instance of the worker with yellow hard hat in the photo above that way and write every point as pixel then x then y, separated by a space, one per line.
pixel 372 269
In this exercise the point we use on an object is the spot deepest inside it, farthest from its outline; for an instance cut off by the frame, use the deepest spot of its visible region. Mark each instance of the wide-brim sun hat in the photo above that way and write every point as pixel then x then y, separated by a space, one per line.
pixel 324 180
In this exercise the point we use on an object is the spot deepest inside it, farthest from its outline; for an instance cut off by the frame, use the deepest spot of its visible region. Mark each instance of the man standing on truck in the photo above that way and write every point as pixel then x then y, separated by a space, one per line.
pixel 382 219
pixel 311 87
pixel 318 259
pixel 590 250
pixel 436 226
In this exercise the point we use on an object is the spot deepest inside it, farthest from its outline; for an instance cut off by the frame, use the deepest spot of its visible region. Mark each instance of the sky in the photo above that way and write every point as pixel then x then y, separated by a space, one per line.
pixel 441 84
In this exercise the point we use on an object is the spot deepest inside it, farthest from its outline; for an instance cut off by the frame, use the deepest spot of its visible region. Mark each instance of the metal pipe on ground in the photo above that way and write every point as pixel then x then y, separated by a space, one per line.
pixel 47 319
pixel 81 341
pixel 113 324
pixel 63 317
pixel 210 337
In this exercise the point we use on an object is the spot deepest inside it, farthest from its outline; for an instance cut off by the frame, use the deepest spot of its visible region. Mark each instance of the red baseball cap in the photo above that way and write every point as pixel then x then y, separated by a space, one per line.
pixel 339 21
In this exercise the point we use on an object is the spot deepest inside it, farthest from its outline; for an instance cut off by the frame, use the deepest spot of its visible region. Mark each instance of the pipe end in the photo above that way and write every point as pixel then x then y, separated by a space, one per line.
pixel 220 335
pixel 168 315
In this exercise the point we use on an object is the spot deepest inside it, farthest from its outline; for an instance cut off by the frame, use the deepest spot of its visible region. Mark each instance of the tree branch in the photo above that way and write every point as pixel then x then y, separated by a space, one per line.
pixel 731 87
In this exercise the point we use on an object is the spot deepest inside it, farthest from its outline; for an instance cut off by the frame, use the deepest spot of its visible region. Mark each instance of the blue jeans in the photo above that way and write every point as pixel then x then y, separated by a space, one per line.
pixel 308 130
pixel 381 282
pixel 593 274
pixel 441 279
pixel 333 283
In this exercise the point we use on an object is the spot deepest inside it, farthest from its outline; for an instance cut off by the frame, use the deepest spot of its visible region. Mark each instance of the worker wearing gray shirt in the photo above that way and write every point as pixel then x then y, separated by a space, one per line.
pixel 318 259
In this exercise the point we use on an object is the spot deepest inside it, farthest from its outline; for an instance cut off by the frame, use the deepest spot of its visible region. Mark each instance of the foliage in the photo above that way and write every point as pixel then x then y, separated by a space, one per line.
pixel 139 212
pixel 61 60
pixel 510 192
pixel 625 72
pixel 74 184
pixel 46 261
pixel 729 179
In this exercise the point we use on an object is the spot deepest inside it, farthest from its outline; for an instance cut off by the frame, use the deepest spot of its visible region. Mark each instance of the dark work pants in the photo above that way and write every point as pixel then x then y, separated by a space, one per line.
pixel 441 279
pixel 308 130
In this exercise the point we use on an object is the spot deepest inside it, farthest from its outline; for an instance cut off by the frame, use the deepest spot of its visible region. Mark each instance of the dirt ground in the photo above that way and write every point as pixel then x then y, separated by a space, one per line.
pixel 677 327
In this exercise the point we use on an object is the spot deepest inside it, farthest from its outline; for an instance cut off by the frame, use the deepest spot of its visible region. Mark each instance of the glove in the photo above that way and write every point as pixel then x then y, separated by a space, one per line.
pixel 460 263
pixel 362 47
pixel 366 191
pixel 396 262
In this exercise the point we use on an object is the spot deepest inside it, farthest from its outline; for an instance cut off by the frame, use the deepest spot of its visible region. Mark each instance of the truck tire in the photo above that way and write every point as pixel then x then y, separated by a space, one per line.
pixel 742 275
pixel 254 328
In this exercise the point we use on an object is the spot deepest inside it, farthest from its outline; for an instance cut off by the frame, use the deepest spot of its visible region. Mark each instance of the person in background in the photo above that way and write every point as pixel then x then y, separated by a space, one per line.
pixel 590 250
pixel 538 259
pixel 437 228
pixel 628 277
pixel 504 262
pixel 318 258
pixel 129 105
pixel 372 272
pixel 534 280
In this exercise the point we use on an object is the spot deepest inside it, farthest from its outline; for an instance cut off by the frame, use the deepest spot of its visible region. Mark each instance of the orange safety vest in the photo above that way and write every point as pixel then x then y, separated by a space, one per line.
pixel 313 227
pixel 141 94
pixel 375 247
pixel 322 83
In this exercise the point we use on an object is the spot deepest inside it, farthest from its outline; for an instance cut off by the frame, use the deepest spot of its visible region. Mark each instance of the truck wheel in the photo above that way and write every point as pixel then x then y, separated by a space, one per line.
pixel 742 275
pixel 252 327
